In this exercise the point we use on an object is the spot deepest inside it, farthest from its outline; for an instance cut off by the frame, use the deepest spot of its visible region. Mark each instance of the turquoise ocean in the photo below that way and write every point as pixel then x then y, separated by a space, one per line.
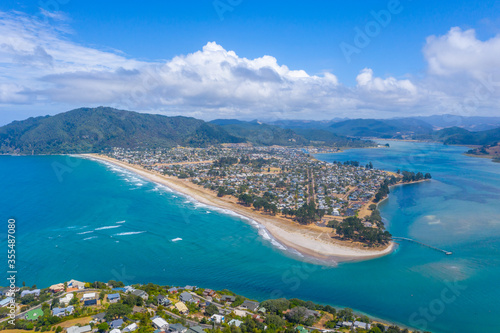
pixel 85 220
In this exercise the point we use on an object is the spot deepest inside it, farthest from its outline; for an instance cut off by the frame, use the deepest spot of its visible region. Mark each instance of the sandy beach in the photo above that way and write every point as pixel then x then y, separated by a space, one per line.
pixel 312 241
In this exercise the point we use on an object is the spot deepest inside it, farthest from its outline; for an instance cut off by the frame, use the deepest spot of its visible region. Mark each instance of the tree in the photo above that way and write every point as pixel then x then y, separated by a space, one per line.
pixel 116 284
pixel 275 321
pixel 276 306
pixel 117 310
pixel 211 310
pixel 103 327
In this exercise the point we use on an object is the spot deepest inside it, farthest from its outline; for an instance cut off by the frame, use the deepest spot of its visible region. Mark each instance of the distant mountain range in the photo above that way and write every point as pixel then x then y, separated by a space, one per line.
pixel 95 129
pixel 457 130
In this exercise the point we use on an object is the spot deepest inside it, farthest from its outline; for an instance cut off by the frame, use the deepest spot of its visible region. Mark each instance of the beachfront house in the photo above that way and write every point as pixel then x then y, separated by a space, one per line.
pixel 35 292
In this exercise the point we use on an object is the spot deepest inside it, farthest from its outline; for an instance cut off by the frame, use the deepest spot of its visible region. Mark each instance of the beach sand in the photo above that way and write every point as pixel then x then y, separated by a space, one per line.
pixel 311 241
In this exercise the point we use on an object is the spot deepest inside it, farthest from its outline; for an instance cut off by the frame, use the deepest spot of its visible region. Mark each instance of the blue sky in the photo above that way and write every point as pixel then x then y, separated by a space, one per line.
pixel 390 76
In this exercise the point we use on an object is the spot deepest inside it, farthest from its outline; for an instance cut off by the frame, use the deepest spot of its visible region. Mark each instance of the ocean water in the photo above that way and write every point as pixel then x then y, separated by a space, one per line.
pixel 82 219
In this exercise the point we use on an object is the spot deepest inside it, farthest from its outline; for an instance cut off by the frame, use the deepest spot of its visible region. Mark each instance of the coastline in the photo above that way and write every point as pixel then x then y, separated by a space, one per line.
pixel 311 241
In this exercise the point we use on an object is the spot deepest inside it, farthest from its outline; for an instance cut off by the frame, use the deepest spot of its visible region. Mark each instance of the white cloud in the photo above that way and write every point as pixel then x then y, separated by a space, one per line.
pixel 460 52
pixel 42 67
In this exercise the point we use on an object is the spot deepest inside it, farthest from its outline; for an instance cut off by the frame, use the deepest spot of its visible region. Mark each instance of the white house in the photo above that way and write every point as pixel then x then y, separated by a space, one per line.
pixel 216 318
pixel 88 296
pixel 160 323
pixel 66 299
pixel 130 328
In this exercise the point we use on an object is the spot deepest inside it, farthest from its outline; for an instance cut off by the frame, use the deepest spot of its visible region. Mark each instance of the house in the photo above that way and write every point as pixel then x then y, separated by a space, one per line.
pixel 235 322
pixel 119 289
pixel 177 328
pixel 258 318
pixel 117 323
pixel 217 318
pixel 141 293
pixel 76 284
pixel 195 329
pixel 249 305
pixel 34 314
pixel 35 292
pixel 190 288
pixel 208 292
pixel 61 312
pixel 77 329
pixel 115 331
pixel 90 302
pixel 55 288
pixel 88 296
pixel 240 313
pixel 99 317
pixel 228 298
pixel 301 329
pixel 130 328
pixel 113 298
pixel 6 301
pixel 360 324
pixel 181 307
pixel 160 323
pixel 187 297
pixel 163 300
pixel 66 299
pixel 172 290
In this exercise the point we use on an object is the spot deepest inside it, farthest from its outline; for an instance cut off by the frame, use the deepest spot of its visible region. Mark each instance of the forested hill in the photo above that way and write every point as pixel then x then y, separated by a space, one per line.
pixel 93 129
pixel 87 130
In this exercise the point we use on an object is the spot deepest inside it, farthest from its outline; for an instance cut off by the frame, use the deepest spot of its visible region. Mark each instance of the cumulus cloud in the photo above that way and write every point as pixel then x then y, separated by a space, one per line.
pixel 460 52
pixel 40 66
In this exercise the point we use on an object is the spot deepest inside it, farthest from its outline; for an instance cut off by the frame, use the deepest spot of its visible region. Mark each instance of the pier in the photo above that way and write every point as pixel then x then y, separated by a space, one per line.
pixel 448 253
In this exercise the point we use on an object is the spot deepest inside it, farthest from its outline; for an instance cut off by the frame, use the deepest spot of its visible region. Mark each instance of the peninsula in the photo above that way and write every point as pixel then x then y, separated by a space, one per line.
pixel 305 204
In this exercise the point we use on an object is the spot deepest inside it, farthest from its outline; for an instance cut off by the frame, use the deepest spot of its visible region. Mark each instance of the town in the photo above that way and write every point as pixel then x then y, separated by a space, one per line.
pixel 285 182
pixel 82 307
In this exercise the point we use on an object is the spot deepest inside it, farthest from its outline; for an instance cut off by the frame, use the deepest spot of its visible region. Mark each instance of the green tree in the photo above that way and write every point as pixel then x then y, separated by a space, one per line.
pixel 211 310
pixel 117 310
pixel 103 327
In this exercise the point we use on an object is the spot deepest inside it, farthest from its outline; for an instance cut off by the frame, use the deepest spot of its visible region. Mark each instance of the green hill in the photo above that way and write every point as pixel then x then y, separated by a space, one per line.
pixel 382 128
pixel 261 134
pixel 93 129
pixel 460 136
